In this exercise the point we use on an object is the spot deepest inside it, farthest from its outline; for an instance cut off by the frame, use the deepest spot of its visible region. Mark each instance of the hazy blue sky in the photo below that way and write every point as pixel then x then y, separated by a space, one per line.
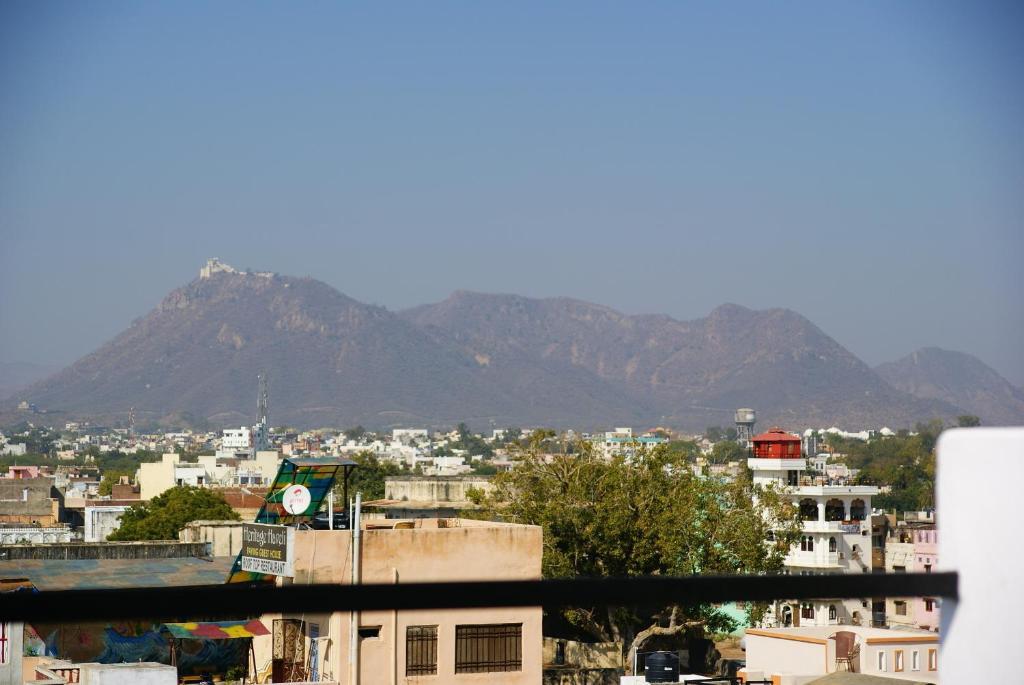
pixel 861 163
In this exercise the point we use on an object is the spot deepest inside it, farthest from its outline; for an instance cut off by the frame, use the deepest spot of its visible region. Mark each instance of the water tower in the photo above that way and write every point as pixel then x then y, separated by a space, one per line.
pixel 745 420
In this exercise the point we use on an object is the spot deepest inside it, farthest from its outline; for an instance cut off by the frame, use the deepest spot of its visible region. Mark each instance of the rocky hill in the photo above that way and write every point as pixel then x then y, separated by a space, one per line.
pixel 960 379
pixel 691 373
pixel 486 359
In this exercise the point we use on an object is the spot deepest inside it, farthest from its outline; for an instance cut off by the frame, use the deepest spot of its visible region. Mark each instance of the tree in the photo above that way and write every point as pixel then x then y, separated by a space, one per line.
pixel 368 476
pixel 968 421
pixel 110 479
pixel 162 517
pixel 650 515
pixel 716 433
pixel 725 451
pixel 354 433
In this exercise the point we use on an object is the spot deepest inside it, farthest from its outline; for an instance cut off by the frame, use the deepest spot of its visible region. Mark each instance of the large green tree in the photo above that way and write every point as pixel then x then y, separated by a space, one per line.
pixel 163 516
pixel 649 515
pixel 368 477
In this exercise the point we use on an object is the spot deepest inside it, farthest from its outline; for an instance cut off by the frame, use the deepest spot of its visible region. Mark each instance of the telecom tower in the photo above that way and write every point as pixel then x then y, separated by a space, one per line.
pixel 261 431
pixel 131 423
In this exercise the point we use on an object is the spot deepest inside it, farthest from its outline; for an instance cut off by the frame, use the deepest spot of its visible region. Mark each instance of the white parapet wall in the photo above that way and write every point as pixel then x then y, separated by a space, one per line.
pixel 980 475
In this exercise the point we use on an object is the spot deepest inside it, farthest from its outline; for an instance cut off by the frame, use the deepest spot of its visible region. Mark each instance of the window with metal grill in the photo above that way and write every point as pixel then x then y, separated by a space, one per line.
pixel 489 648
pixel 421 650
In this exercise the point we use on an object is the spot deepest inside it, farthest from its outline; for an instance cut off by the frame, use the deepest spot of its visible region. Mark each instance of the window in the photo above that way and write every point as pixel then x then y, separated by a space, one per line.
pixel 806 543
pixel 421 650
pixel 489 648
pixel 832 546
pixel 897 660
pixel 929 604
pixel 915 660
pixel 806 611
pixel 933 659
pixel 4 645
pixel 832 612
pixel 366 632
pixel 901 608
pixel 881 662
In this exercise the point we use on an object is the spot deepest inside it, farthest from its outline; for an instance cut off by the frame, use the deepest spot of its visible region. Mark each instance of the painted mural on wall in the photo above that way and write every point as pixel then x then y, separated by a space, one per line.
pixel 134 641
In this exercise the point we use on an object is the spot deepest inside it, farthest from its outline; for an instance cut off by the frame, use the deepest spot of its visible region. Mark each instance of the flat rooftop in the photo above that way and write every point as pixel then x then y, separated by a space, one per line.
pixel 101 574
pixel 865 633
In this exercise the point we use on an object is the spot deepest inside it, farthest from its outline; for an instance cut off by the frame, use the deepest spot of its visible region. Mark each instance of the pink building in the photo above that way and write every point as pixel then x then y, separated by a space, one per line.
pixel 20 472
pixel 925 558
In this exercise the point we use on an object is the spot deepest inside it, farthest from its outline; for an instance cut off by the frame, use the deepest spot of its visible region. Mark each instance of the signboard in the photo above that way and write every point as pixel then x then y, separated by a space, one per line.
pixel 849 527
pixel 268 549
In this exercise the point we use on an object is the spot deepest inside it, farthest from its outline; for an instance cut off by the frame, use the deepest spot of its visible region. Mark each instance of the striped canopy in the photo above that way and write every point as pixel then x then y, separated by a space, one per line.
pixel 217 630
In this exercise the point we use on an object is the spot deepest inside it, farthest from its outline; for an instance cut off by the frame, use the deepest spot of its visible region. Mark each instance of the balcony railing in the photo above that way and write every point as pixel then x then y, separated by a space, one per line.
pixel 849 527
pixel 813 559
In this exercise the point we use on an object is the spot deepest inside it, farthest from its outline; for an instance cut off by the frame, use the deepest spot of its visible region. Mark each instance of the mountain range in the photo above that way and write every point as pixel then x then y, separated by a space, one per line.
pixel 494 360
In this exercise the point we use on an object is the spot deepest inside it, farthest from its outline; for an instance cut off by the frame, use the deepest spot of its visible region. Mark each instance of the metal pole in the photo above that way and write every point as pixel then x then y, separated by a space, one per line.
pixel 353 644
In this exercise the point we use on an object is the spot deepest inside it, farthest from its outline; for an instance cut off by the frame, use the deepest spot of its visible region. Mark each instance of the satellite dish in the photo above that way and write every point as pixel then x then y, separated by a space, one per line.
pixel 296 499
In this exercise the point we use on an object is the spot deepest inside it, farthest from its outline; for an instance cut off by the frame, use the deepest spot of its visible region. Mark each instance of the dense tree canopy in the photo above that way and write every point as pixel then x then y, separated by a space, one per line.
pixel 725 451
pixel 650 515
pixel 163 516
pixel 905 463
pixel 368 476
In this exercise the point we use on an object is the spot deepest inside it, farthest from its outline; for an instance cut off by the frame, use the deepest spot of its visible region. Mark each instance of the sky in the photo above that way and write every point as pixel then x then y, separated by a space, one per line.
pixel 860 163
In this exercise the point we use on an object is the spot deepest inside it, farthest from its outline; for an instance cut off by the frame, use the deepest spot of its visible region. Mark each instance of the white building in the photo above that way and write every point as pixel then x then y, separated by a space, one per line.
pixel 408 436
pixel 836 531
pixel 236 440
pixel 793 656
pixel 102 520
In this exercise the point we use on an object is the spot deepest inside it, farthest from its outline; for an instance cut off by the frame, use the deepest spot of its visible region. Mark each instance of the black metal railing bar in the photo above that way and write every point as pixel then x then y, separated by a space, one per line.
pixel 239 601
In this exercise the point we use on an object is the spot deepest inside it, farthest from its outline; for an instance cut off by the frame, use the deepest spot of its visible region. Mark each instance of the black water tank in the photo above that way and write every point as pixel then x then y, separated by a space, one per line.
pixel 661 667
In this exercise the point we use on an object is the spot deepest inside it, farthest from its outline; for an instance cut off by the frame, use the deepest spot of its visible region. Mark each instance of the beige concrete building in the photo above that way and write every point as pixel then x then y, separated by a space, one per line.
pixel 794 656
pixel 403 647
pixel 430 496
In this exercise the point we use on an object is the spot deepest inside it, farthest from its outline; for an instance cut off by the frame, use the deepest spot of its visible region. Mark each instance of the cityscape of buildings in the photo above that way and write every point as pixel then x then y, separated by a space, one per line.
pixel 57 515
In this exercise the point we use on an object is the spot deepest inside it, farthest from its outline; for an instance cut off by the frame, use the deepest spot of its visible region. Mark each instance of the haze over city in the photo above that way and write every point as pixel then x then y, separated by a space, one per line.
pixel 860 165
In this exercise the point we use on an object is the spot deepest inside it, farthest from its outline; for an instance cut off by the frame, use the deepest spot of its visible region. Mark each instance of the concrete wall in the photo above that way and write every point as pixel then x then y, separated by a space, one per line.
pixel 224 537
pixel 29 500
pixel 156 477
pixel 795 654
pixel 10 672
pixel 586 655
pixel 144 673
pixel 102 521
pixel 107 550
pixel 434 489
pixel 435 550
pixel 889 646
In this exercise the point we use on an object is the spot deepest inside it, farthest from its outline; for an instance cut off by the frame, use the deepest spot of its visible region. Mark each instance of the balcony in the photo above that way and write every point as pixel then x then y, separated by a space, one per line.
pixel 813 559
pixel 847 527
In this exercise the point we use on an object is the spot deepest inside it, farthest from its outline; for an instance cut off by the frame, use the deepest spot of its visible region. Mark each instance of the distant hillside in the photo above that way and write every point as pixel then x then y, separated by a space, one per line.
pixel 486 359
pixel 960 379
pixel 693 373
pixel 15 376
